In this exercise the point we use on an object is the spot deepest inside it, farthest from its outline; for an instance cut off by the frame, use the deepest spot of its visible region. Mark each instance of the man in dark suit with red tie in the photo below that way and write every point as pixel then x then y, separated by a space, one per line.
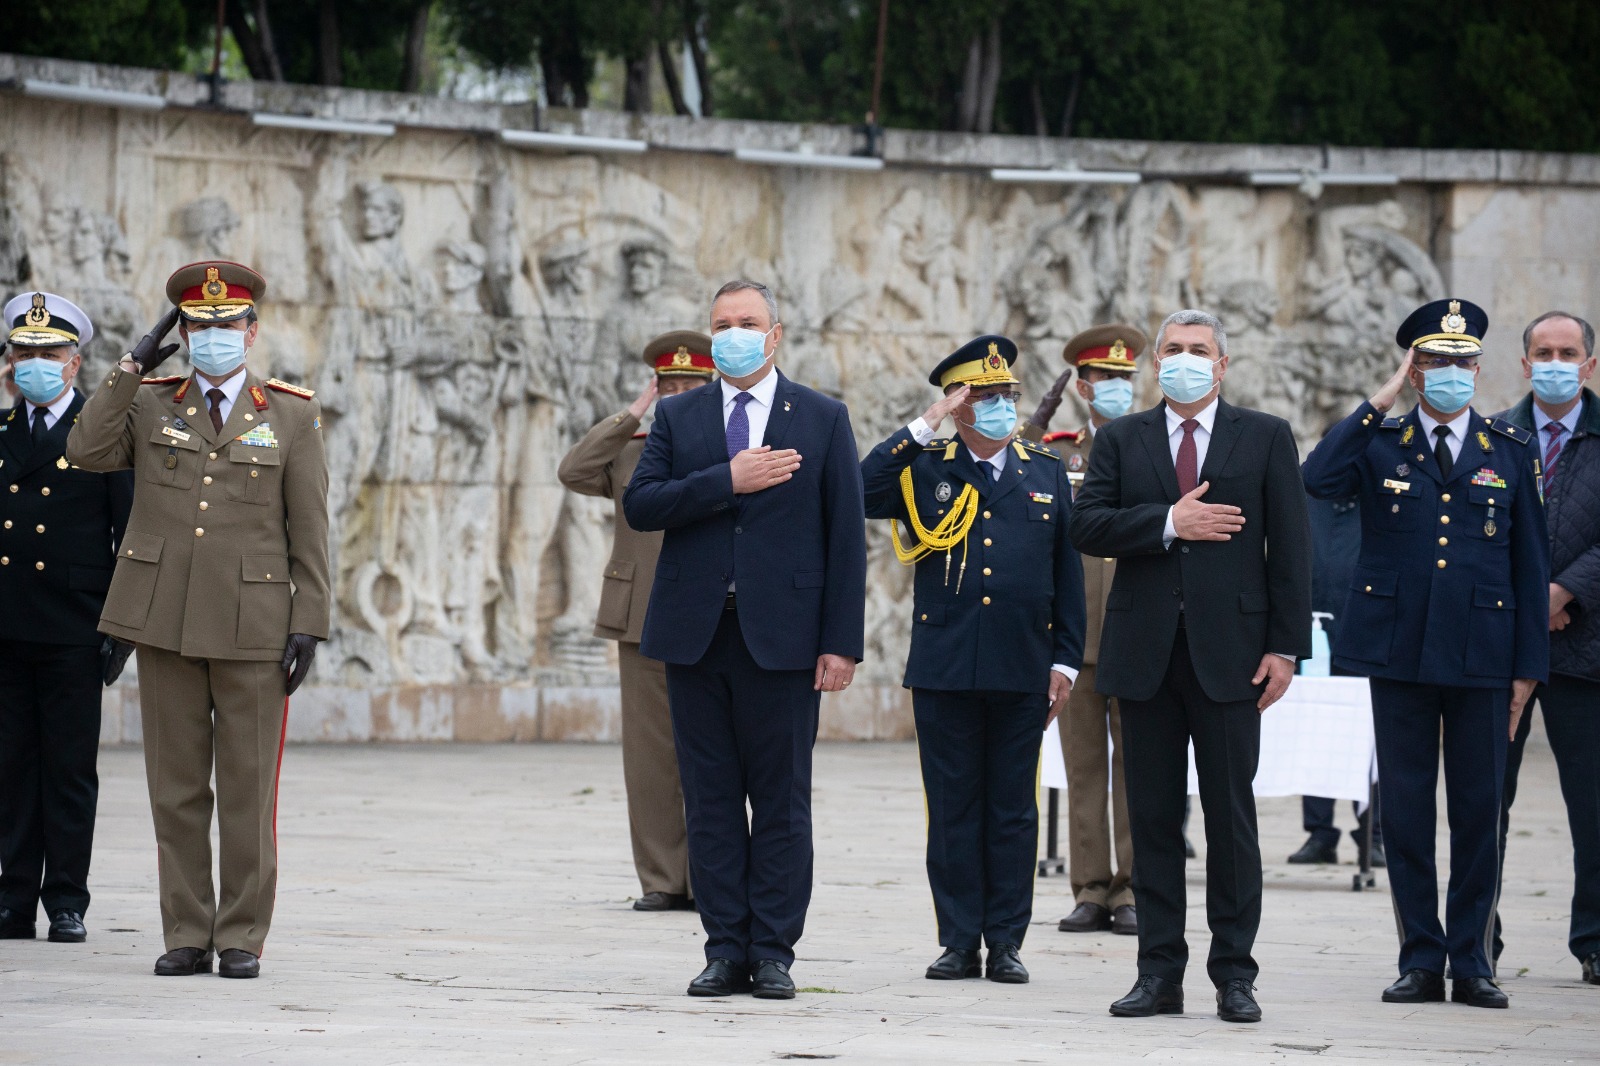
pixel 757 608
pixel 1201 504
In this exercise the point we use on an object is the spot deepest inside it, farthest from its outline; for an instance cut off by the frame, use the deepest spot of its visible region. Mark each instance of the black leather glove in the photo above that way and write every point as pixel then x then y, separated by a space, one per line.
pixel 150 353
pixel 297 656
pixel 1052 400
pixel 113 657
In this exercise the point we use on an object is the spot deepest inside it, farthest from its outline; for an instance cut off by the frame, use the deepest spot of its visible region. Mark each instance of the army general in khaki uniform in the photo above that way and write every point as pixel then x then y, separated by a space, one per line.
pixel 600 465
pixel 1104 358
pixel 222 582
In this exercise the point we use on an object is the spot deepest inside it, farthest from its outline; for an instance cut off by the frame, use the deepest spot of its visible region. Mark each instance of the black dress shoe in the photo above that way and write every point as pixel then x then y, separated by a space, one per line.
pixel 1125 920
pixel 1086 918
pixel 1151 995
pixel 237 962
pixel 1591 969
pixel 1005 966
pixel 66 927
pixel 1478 992
pixel 663 901
pixel 721 977
pixel 955 964
pixel 1315 853
pixel 772 981
pixel 1236 1001
pixel 1416 986
pixel 13 926
pixel 182 962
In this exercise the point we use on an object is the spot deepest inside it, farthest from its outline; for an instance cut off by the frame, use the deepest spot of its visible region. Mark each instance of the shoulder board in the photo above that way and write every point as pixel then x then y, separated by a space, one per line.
pixel 1392 422
pixel 293 390
pixel 1506 429
pixel 1039 449
pixel 161 381
pixel 935 445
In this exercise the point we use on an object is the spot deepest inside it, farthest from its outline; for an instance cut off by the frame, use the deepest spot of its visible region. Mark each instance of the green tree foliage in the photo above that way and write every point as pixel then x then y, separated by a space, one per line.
pixel 147 33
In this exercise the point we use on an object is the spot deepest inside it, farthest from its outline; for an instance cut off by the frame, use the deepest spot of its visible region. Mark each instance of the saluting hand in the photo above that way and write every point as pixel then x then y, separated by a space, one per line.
pixel 943 406
pixel 760 468
pixel 1193 520
pixel 1385 397
pixel 149 352
pixel 1277 672
pixel 1060 692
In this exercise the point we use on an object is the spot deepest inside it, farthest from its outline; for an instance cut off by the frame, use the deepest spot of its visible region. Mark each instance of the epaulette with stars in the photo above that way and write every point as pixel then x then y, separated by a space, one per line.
pixel 1507 429
pixel 936 445
pixel 1039 449
pixel 293 390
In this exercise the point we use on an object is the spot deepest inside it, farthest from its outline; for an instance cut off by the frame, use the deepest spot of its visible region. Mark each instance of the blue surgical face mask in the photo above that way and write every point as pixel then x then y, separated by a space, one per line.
pixel 738 352
pixel 1113 397
pixel 1555 382
pixel 217 351
pixel 1185 378
pixel 1448 388
pixel 995 417
pixel 40 380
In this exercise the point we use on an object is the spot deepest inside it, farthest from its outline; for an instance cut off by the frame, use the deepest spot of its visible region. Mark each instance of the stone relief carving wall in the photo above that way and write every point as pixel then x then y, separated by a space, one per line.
pixel 465 311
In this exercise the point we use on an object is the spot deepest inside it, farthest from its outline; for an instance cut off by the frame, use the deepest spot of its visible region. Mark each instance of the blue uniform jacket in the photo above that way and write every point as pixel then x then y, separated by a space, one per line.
pixel 1020 606
pixel 1452 586
pixel 797 551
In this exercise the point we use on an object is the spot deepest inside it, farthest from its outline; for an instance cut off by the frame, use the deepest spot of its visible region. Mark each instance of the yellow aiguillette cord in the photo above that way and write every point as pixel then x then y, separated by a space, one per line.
pixel 951 530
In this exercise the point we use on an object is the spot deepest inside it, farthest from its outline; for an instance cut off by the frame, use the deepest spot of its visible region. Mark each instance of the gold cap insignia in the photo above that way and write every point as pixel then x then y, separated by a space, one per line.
pixel 1453 322
pixel 1119 350
pixel 994 360
pixel 214 287
pixel 682 357
pixel 37 315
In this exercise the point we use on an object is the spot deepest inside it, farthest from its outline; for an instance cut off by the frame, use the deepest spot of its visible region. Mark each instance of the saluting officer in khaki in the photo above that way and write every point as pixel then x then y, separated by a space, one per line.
pixel 600 465
pixel 1104 357
pixel 222 583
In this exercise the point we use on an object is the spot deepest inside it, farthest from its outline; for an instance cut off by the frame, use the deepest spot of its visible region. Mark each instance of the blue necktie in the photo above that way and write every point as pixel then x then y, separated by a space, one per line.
pixel 739 425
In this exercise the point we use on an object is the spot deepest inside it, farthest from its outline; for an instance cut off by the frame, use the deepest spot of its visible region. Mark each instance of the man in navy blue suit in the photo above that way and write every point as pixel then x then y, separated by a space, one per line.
pixel 757 608
pixel 1448 614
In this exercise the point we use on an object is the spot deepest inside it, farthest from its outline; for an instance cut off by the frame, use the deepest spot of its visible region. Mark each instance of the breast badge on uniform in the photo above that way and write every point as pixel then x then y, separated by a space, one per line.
pixel 1489 527
pixel 1488 477
pixel 1405 438
pixel 1075 462
pixel 1402 470
pixel 259 437
pixel 942 492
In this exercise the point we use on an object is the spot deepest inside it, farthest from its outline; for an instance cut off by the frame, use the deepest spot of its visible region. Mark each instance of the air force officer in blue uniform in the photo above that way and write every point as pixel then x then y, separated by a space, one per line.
pixel 1447 613
pixel 996 642
pixel 757 609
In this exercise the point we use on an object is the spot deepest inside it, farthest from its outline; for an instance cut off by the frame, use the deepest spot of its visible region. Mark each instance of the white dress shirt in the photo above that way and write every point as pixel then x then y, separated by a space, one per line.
pixel 922 433
pixel 230 392
pixel 757 410
pixel 1457 427
pixel 53 413
pixel 1202 442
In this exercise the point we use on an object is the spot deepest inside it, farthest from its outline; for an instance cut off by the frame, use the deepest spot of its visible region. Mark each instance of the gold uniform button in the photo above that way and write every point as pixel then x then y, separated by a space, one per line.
pixel 253 459
pixel 1369 588
pixel 38 529
pixel 987 572
pixel 129 552
pixel 1047 516
pixel 1491 501
pixel 986 513
pixel 1443 541
pixel 987 543
pixel 1499 603
pixel 249 417
pixel 38 566
pixel 199 532
pixel 924 618
pixel 986 601
pixel 269 577
pixel 1445 497
pixel 5 560
pixel 8 523
pixel 14 488
pixel 1445 519
pixel 1441 564
pixel 204 506
pixel 45 491
pixel 213 454
pixel 257 473
pixel 206 480
pixel 191 410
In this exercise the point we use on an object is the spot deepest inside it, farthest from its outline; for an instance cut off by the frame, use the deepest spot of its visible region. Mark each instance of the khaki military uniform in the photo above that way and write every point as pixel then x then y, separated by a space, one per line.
pixel 1088 722
pixel 600 465
pixel 225 555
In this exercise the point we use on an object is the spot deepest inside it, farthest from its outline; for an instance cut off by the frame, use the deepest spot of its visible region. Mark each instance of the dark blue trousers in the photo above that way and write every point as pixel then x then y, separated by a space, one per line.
pixel 1571 708
pixel 746 734
pixel 1407 720
pixel 980 778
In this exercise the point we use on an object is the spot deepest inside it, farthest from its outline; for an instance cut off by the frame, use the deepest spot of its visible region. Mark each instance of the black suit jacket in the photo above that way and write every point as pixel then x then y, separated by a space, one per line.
pixel 797 551
pixel 1241 598
pixel 59 530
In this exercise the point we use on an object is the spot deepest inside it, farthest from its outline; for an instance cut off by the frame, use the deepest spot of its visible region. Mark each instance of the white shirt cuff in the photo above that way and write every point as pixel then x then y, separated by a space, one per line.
pixel 1291 658
pixel 1169 532
pixel 1072 675
pixel 920 431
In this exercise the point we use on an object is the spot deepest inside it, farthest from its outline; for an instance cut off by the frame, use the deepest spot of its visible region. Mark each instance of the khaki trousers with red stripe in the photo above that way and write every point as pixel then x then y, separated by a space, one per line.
pixel 183 738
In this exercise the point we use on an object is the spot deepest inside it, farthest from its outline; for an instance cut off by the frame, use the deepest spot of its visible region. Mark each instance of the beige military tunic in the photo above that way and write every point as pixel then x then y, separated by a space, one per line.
pixel 1088 722
pixel 225 555
pixel 600 465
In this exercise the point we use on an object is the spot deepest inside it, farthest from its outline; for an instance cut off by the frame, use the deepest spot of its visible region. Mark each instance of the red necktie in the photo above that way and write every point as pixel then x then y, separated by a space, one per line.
pixel 1188 466
pixel 1552 453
